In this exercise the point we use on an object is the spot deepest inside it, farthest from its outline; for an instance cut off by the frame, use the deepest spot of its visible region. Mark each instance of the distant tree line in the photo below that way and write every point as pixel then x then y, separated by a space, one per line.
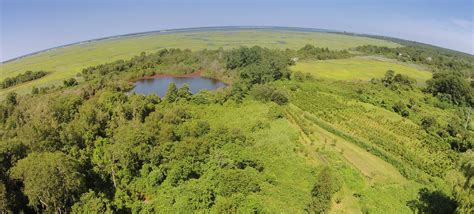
pixel 439 61
pixel 22 78
pixel 177 60
pixel 311 52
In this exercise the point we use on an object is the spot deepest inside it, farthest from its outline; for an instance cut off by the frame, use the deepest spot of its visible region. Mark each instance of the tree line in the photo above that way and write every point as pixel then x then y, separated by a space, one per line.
pixel 434 58
pixel 22 78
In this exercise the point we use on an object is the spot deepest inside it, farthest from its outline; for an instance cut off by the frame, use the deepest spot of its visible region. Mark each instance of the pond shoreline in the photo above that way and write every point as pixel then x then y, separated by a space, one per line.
pixel 194 74
pixel 159 84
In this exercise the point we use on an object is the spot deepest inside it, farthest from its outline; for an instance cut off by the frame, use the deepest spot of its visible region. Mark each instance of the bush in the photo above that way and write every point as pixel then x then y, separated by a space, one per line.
pixel 299 76
pixel 262 92
pixel 275 112
pixel 70 82
pixel 401 109
pixel 323 190
pixel 267 93
pixel 427 122
pixel 279 97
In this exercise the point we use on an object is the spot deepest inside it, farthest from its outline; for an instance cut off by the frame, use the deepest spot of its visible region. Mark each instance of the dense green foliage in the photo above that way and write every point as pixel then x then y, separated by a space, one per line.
pixel 463 184
pixel 246 148
pixel 22 78
pixel 397 81
pixel 51 180
pixel 452 87
pixel 322 192
pixel 259 65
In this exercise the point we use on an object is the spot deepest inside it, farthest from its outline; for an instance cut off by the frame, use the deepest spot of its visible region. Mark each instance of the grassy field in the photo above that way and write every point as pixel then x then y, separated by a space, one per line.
pixel 359 68
pixel 68 61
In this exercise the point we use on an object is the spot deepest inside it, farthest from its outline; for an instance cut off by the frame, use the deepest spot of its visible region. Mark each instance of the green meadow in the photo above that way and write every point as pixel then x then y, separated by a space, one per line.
pixel 360 69
pixel 66 62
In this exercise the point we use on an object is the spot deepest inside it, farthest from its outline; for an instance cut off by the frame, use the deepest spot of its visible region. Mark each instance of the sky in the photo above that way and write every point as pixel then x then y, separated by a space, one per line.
pixel 27 26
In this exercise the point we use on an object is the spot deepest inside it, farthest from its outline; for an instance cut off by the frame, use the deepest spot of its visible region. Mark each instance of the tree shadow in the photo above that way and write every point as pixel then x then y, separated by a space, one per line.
pixel 432 202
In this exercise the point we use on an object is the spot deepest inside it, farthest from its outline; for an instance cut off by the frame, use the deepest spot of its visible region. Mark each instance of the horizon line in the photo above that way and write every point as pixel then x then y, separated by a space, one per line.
pixel 188 29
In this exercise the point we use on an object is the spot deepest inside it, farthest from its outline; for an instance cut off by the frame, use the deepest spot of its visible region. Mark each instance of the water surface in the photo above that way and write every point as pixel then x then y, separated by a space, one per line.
pixel 160 85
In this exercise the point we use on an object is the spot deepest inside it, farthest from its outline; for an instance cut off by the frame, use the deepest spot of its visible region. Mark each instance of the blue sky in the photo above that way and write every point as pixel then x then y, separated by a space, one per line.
pixel 32 25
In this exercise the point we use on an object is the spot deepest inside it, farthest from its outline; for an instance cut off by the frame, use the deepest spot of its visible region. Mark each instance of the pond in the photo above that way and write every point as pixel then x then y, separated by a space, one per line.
pixel 160 85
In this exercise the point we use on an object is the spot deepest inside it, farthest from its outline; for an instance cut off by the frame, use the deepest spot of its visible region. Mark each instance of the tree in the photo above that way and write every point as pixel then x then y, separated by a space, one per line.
pixel 171 93
pixel 403 80
pixel 92 202
pixel 51 180
pixel 184 92
pixel 238 91
pixel 11 197
pixel 452 84
pixel 200 128
pixel 388 78
pixel 65 107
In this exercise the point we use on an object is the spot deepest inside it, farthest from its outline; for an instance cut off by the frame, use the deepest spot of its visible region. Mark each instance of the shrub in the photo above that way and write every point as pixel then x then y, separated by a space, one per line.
pixel 323 190
pixel 427 122
pixel 70 82
pixel 275 112
pixel 279 97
